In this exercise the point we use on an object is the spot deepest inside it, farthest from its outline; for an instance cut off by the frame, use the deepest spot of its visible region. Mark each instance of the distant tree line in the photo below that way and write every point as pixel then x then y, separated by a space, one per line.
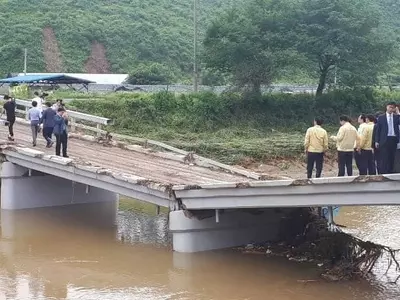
pixel 350 43
pixel 246 43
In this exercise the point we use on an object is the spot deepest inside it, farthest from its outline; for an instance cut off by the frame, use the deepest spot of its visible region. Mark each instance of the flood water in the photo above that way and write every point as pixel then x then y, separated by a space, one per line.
pixel 81 252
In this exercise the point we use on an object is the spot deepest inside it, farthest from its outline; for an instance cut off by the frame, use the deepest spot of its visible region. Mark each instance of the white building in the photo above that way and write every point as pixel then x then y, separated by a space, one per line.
pixel 114 79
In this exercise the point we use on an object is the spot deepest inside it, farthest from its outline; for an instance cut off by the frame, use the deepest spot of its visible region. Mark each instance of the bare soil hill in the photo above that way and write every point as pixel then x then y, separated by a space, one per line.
pixel 97 62
pixel 51 51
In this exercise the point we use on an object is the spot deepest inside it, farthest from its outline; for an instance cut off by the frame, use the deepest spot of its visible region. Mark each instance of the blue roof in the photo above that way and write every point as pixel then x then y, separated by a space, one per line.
pixel 54 78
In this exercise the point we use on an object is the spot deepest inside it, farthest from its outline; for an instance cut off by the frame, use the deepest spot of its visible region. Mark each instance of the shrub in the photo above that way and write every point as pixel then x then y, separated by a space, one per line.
pixel 204 112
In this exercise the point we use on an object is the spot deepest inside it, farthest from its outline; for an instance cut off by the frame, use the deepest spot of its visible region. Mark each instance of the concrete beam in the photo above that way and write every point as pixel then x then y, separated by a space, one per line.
pixel 94 176
pixel 19 191
pixel 370 194
pixel 235 228
pixel 357 190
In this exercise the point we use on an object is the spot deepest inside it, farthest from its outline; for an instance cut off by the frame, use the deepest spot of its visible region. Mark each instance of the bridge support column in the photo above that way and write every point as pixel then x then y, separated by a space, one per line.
pixel 234 228
pixel 23 189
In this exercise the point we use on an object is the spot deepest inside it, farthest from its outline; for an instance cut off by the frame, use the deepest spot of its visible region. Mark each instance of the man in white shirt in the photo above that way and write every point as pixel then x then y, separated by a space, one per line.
pixel 38 100
pixel 34 115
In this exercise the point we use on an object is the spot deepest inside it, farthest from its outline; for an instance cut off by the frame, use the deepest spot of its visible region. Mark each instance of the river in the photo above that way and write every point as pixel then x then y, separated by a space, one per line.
pixel 56 253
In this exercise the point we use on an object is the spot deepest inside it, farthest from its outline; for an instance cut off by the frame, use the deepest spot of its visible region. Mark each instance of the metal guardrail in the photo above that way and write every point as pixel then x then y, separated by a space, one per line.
pixel 74 116
pixel 189 157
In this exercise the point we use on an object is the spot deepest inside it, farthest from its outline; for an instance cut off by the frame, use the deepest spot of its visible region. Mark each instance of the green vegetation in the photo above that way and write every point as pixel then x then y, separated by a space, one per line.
pixel 248 43
pixel 229 127
pixel 153 38
pixel 128 204
pixel 258 42
pixel 132 32
pixel 251 43
pixel 153 73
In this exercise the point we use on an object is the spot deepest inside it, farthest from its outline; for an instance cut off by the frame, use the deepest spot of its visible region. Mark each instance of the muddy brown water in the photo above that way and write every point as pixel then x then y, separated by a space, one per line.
pixel 81 252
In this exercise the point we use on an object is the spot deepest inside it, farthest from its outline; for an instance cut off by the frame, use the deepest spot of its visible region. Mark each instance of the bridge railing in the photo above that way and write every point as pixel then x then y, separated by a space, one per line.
pixel 85 121
pixel 75 118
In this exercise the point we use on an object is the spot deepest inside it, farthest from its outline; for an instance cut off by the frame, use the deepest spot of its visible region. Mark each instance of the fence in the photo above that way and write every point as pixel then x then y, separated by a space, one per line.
pixel 185 156
pixel 76 119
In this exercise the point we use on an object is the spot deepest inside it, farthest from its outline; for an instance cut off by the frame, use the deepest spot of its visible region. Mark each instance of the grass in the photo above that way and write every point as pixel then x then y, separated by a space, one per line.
pixel 236 145
pixel 231 133
pixel 128 204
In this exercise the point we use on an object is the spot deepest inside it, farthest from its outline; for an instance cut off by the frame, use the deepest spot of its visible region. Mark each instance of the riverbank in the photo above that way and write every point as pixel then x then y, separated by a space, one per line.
pixel 229 127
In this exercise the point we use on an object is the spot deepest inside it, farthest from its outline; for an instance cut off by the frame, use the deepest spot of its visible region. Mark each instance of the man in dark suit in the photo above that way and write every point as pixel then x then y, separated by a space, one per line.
pixel 374 149
pixel 386 138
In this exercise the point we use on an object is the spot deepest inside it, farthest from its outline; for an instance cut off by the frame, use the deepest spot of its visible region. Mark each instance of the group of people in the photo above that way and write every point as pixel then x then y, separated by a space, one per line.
pixel 373 146
pixel 51 120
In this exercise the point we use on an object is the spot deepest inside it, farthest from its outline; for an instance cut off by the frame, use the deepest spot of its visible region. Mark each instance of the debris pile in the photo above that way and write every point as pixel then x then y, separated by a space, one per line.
pixel 306 237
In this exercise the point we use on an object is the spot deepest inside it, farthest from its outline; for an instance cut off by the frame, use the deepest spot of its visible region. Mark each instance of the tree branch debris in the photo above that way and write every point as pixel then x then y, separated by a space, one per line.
pixel 306 237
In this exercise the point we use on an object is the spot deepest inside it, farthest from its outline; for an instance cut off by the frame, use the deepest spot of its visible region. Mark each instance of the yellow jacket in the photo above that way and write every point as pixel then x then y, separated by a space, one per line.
pixel 347 138
pixel 365 136
pixel 316 140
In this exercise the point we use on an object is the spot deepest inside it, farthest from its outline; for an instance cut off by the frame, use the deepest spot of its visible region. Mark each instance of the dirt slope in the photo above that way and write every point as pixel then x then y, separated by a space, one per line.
pixel 97 62
pixel 51 51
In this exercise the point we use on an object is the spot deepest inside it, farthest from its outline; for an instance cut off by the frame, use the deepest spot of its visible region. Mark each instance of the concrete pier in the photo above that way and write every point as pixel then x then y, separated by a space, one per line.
pixel 228 229
pixel 22 188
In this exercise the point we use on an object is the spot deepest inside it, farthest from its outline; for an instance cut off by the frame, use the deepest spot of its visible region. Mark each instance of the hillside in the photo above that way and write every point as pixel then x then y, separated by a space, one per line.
pixel 99 36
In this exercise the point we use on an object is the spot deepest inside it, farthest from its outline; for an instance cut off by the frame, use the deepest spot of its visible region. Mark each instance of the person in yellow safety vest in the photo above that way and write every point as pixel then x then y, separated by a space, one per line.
pixel 315 144
pixel 366 163
pixel 346 139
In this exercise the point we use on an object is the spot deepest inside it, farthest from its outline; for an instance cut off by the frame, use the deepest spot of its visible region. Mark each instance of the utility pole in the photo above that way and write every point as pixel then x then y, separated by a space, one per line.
pixel 195 65
pixel 25 59
pixel 335 78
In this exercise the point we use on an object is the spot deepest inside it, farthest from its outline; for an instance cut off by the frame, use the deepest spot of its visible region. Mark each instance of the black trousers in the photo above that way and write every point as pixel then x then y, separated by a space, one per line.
pixel 47 133
pixel 11 122
pixel 358 158
pixel 387 153
pixel 396 168
pixel 318 160
pixel 345 162
pixel 61 142
pixel 377 160
pixel 366 162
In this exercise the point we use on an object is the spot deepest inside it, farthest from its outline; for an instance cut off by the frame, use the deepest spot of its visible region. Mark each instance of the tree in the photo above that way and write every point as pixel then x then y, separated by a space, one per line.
pixel 150 74
pixel 390 11
pixel 212 78
pixel 345 35
pixel 252 43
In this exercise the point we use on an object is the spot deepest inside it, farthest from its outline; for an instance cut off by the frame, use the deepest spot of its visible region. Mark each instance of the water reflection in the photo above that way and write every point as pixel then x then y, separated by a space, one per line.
pixel 88 252
pixel 378 224
pixel 141 228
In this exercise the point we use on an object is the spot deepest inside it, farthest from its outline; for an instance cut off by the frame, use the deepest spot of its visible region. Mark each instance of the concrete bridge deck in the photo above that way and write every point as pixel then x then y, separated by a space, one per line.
pixel 162 178
pixel 161 170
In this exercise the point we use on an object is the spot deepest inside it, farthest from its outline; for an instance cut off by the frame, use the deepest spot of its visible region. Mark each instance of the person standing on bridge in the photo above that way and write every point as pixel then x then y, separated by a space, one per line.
pixel 61 131
pixel 386 138
pixel 47 120
pixel 376 150
pixel 59 104
pixel 38 100
pixel 34 117
pixel 9 109
pixel 366 163
pixel 346 139
pixel 362 121
pixel 315 144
